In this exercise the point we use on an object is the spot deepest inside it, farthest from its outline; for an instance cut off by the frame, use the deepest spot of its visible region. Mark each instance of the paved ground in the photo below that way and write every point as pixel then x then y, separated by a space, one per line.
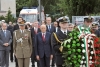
pixel 12 64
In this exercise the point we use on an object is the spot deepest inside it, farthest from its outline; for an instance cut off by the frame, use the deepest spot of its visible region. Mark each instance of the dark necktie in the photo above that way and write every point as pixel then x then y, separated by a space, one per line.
pixel 35 31
pixel 64 32
pixel 49 27
pixel 43 37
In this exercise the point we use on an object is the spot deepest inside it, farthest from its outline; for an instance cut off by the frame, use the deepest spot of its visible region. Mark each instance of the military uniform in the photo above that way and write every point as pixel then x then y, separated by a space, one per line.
pixel 22 45
pixel 56 40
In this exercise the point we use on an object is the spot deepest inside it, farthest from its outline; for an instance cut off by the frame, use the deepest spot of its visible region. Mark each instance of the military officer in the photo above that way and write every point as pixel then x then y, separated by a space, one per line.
pixel 22 45
pixel 59 37
pixel 94 29
pixel 87 21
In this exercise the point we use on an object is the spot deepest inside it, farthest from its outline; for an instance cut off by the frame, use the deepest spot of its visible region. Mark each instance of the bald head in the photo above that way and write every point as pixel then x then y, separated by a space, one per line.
pixel 43 28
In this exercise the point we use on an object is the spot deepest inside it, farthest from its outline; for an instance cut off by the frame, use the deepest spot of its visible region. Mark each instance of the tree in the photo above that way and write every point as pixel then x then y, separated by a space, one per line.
pixel 2 17
pixel 9 17
pixel 77 7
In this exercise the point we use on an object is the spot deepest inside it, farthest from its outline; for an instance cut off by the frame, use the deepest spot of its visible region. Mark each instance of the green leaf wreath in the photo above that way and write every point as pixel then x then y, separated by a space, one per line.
pixel 72 51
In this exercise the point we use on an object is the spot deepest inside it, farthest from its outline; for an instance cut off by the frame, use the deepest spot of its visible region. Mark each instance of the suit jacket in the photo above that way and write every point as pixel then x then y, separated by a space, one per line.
pixel 10 28
pixel 51 30
pixel 33 35
pixel 56 45
pixel 24 49
pixel 3 39
pixel 97 33
pixel 16 27
pixel 43 48
pixel 57 29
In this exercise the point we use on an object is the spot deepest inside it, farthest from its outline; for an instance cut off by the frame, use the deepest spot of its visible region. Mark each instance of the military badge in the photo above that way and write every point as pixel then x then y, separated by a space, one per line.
pixel 89 18
pixel 26 36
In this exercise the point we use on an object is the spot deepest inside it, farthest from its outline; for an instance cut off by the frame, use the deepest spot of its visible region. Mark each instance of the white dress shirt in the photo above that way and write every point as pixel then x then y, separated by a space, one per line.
pixel 64 31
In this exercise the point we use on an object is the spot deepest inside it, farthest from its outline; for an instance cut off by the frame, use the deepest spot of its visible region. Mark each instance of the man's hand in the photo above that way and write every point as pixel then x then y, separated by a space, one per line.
pixel 37 57
pixel 51 56
pixel 6 44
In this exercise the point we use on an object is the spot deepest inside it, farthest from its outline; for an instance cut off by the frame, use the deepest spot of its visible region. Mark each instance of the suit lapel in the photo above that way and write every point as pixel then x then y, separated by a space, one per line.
pixel 41 36
pixel 62 35
pixel 46 36
pixel 3 33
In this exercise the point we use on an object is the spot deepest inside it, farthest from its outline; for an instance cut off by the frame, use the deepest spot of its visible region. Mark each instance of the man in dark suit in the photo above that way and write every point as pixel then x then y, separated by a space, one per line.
pixel 56 26
pixel 34 31
pixel 56 40
pixel 10 28
pixel 51 29
pixel 19 19
pixel 5 42
pixel 43 48
pixel 16 27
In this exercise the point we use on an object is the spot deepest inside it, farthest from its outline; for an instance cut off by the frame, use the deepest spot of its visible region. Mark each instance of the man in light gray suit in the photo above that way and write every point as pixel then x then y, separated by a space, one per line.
pixel 5 41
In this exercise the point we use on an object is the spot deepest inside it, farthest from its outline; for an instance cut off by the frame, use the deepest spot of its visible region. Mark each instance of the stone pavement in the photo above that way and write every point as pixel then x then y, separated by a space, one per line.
pixel 12 64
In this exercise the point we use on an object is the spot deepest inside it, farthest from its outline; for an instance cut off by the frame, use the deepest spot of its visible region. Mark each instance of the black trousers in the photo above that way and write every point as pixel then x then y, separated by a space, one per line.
pixel 11 53
pixel 33 59
pixel 53 60
pixel 45 61
pixel 16 62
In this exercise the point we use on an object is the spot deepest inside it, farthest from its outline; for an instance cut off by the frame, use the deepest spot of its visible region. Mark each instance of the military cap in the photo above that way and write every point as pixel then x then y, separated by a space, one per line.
pixel 88 18
pixel 63 19
pixel 21 23
pixel 95 24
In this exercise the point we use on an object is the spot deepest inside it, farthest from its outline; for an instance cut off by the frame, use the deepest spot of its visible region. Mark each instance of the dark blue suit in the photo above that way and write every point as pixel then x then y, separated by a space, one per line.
pixel 43 49
pixel 52 29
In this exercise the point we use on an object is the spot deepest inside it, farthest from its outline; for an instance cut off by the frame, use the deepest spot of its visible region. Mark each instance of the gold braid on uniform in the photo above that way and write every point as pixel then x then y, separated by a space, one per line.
pixel 61 47
pixel 57 38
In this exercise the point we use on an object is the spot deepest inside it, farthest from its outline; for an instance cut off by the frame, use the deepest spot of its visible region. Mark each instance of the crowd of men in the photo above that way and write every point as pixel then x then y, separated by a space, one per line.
pixel 37 41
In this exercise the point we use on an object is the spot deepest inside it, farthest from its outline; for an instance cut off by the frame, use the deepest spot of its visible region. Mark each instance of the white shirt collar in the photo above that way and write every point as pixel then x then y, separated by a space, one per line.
pixel 64 31
pixel 43 33
pixel 49 25
pixel 21 30
pixel 35 28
